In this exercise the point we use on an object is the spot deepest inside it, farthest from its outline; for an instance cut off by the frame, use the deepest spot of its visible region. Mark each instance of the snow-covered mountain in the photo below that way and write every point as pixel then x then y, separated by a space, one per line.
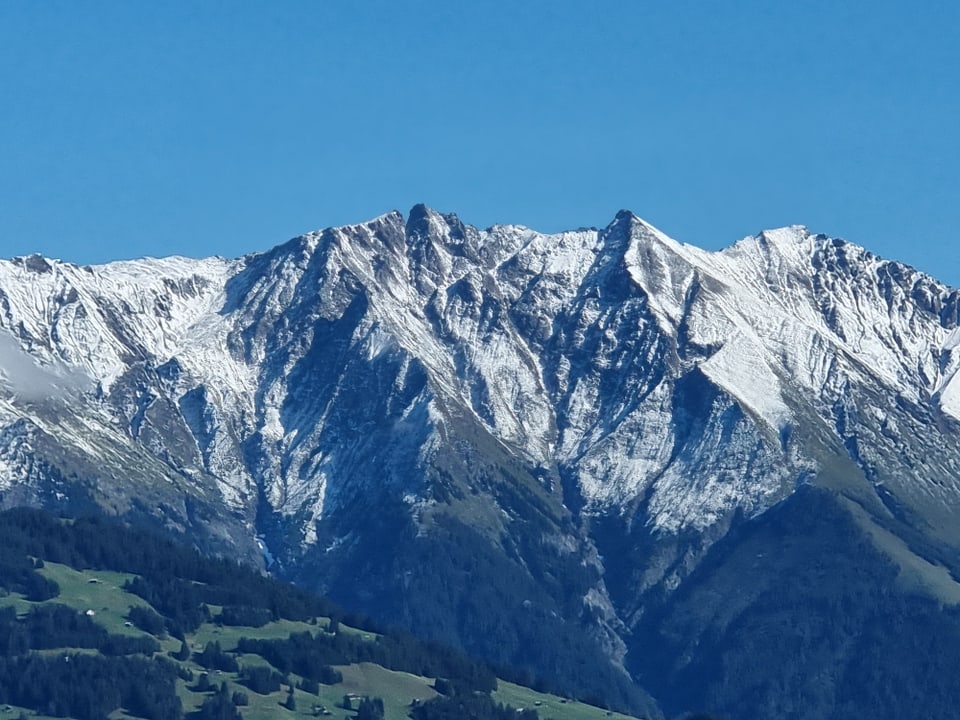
pixel 571 421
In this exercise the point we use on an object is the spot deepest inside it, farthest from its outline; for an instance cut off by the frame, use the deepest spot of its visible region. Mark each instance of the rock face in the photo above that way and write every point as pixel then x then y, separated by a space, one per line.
pixel 550 449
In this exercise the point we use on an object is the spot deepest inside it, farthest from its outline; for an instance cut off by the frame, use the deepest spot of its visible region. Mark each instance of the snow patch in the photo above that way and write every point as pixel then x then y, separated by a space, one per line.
pixel 739 368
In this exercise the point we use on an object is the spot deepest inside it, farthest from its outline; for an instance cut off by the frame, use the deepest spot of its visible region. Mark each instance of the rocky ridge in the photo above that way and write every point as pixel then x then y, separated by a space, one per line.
pixel 594 409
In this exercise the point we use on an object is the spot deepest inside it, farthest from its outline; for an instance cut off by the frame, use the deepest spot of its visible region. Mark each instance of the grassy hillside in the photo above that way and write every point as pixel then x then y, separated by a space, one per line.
pixel 110 598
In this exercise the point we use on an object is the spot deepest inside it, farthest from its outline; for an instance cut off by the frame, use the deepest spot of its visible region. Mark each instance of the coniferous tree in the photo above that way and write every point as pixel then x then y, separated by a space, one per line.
pixel 310 685
pixel 203 683
pixel 370 709
pixel 183 653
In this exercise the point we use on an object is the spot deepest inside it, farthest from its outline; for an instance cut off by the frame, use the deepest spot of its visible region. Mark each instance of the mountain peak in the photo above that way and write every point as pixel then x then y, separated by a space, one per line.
pixel 35 263
pixel 424 222
pixel 631 221
pixel 785 235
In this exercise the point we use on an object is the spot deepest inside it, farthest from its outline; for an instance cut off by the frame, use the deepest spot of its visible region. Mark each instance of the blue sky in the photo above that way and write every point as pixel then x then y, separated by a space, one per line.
pixel 197 128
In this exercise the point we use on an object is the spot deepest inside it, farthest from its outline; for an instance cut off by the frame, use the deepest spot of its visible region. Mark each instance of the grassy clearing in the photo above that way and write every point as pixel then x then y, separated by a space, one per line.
pixel 228 635
pixel 16 601
pixel 550 707
pixel 397 689
pixel 12 712
pixel 96 590
pixel 365 634
pixel 266 707
pixel 915 573
pixel 271 707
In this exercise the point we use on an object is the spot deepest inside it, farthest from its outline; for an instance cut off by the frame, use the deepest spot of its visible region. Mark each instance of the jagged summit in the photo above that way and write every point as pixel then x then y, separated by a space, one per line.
pixel 439 288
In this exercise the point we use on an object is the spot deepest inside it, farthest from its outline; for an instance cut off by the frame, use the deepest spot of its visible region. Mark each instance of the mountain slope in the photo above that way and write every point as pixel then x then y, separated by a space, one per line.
pixel 98 620
pixel 524 443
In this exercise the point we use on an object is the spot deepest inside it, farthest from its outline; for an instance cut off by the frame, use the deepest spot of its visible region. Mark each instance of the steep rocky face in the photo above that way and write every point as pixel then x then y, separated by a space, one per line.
pixel 524 443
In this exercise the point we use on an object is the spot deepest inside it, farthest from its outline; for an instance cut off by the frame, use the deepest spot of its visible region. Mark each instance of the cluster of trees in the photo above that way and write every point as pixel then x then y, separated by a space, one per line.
pixel 262 679
pixel 48 627
pixel 221 705
pixel 18 573
pixel 244 616
pixel 147 620
pixel 214 658
pixel 166 569
pixel 370 709
pixel 90 687
pixel 179 600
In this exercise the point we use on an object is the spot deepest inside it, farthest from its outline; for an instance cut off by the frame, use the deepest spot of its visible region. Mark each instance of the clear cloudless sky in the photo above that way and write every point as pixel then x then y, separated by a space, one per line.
pixel 197 127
